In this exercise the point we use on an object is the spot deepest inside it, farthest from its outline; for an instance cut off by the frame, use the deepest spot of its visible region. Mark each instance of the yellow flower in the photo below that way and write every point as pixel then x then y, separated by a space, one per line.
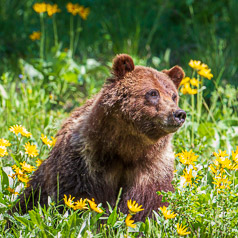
pixel 11 190
pixel 194 82
pixel 187 157
pixel 17 170
pixel 185 80
pixel 83 12
pixel 35 35
pixel 130 222
pixel 23 178
pixel 94 206
pixel 206 73
pixel 192 91
pixel 3 151
pixel 69 202
pixel 40 7
pixel 167 213
pixel 45 140
pixel 31 149
pixel 235 155
pixel 16 129
pixel 80 204
pixel 195 64
pixel 182 231
pixel 186 89
pixel 73 8
pixel 203 66
pixel 38 162
pixel 4 142
pixel 134 207
pixel 221 182
pixel 52 9
pixel 27 167
pixel 213 169
pixel 187 176
pixel 220 154
pixel 183 90
pixel 224 162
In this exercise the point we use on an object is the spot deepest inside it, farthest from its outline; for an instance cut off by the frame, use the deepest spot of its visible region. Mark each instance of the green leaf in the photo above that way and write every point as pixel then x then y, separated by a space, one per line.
pixel 27 223
pixel 112 218
pixel 4 179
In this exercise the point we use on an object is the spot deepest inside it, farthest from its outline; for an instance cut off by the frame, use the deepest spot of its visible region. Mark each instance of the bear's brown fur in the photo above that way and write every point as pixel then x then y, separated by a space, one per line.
pixel 119 138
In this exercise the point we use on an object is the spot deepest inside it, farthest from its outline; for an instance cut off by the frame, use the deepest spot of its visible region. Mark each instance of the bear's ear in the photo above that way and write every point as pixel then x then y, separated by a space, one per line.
pixel 122 64
pixel 176 74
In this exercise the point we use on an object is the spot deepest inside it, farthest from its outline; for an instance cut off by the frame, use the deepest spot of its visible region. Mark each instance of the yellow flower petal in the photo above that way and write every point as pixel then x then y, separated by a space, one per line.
pixel 167 213
pixel 134 207
pixel 182 231
pixel 94 206
pixel 129 222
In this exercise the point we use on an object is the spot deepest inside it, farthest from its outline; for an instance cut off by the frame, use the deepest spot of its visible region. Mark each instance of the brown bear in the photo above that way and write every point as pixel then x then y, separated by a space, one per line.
pixel 121 138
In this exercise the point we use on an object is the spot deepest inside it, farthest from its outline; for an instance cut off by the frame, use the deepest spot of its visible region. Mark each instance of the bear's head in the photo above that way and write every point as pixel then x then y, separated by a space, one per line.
pixel 147 98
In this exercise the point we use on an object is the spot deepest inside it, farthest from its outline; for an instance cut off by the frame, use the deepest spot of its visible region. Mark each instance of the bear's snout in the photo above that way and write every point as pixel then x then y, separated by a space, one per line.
pixel 180 116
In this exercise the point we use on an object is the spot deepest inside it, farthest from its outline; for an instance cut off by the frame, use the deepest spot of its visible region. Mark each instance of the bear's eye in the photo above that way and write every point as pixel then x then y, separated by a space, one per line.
pixel 152 96
pixel 153 93
pixel 174 97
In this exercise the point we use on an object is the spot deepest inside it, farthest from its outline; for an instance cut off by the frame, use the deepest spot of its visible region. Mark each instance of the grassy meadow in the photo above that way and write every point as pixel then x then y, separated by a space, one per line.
pixel 55 55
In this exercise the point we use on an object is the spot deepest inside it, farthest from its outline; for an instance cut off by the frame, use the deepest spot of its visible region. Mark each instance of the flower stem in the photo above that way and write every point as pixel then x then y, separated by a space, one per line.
pixel 71 46
pixel 77 34
pixel 1 177
pixel 192 136
pixel 42 41
pixel 55 30
pixel 199 101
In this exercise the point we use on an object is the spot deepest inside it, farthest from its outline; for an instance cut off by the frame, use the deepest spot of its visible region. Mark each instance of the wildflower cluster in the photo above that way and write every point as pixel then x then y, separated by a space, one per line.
pixel 201 68
pixel 3 147
pixel 220 164
pixel 75 9
pixel 191 85
pixel 188 158
pixel 170 215
pixel 51 9
pixel 22 170
pixel 186 84
pixel 133 209
pixel 82 204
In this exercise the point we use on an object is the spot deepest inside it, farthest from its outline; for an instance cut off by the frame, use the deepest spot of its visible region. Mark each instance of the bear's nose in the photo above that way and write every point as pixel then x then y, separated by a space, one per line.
pixel 180 116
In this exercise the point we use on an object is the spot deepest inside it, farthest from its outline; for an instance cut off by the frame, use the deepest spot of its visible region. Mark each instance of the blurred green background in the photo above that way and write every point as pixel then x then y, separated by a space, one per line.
pixel 172 31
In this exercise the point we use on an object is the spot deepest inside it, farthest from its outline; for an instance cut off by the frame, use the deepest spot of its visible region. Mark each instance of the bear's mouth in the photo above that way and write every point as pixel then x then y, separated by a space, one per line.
pixel 170 126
